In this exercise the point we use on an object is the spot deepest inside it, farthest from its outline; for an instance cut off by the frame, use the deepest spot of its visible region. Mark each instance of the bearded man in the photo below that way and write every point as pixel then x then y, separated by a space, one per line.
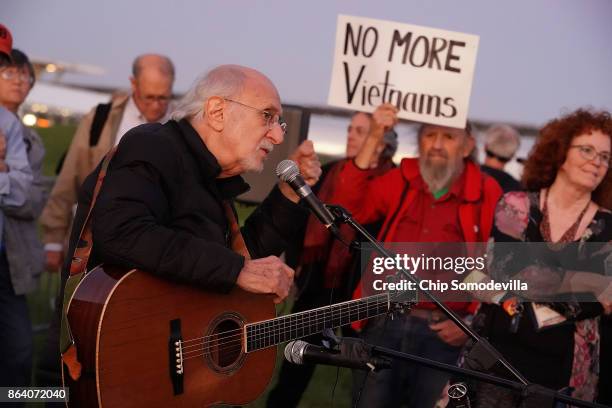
pixel 441 196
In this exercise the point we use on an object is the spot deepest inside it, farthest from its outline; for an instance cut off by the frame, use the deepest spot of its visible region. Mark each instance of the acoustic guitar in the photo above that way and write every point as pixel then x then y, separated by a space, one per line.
pixel 147 342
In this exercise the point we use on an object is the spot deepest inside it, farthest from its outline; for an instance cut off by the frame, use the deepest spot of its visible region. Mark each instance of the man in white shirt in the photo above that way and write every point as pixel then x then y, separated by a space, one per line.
pixel 151 92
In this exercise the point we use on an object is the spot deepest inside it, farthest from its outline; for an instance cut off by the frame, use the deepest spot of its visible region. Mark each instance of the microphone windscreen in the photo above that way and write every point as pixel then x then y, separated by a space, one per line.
pixel 294 351
pixel 287 170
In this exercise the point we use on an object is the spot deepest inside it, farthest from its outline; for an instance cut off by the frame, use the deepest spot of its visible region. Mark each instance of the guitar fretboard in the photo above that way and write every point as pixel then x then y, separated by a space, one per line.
pixel 286 328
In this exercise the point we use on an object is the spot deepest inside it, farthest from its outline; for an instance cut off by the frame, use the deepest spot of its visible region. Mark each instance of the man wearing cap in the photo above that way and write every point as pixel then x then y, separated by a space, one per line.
pixel 326 266
pixel 501 143
pixel 151 86
pixel 441 196
pixel 15 183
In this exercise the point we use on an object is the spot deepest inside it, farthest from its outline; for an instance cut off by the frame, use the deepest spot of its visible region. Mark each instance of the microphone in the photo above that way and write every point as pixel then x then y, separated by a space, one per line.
pixel 288 172
pixel 352 354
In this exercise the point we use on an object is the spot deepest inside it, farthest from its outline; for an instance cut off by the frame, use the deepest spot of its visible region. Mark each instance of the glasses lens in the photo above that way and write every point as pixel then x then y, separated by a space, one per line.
pixel 268 117
pixel 588 152
pixel 150 99
pixel 9 75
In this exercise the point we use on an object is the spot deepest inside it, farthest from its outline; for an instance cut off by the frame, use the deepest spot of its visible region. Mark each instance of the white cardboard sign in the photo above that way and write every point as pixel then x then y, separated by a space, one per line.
pixel 427 73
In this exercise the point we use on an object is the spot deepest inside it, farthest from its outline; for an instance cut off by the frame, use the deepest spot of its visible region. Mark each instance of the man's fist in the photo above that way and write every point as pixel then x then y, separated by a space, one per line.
pixel 308 162
pixel 309 165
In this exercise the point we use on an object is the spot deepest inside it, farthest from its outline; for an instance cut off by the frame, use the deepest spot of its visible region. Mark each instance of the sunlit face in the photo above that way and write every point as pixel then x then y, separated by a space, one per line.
pixel 441 153
pixel 14 91
pixel 152 92
pixel 357 132
pixel 248 132
pixel 581 171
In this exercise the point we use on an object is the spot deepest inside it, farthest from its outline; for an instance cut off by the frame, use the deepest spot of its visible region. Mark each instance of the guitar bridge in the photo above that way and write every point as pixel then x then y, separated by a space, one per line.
pixel 175 356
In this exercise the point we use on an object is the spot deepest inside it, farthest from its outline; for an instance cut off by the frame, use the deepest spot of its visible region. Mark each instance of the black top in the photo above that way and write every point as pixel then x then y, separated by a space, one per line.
pixel 544 357
pixel 505 180
pixel 160 210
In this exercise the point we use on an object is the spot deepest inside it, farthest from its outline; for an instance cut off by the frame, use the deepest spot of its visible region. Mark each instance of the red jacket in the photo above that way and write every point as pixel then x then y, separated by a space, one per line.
pixel 389 196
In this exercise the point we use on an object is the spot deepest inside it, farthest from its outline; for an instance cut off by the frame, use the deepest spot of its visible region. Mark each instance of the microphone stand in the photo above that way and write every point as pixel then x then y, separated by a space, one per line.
pixel 532 394
pixel 481 352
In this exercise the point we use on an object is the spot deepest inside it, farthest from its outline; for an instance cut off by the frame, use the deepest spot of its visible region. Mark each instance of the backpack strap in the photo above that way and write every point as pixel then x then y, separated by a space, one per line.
pixel 99 119
pixel 97 124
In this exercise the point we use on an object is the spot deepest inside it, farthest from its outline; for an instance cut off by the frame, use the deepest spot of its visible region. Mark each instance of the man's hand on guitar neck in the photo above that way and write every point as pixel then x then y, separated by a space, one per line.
pixel 266 275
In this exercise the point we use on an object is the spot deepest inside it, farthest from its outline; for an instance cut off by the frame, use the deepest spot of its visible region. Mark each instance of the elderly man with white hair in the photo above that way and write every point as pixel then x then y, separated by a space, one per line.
pixel 164 204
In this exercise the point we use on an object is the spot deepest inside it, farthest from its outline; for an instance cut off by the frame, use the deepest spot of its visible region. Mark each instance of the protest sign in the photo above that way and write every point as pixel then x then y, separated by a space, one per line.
pixel 427 73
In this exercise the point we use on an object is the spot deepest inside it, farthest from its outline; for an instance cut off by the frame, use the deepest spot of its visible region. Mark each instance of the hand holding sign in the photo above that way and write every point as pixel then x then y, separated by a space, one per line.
pixel 425 72
pixel 383 119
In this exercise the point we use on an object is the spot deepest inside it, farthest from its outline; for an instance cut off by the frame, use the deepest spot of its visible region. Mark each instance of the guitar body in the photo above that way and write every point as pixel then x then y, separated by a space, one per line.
pixel 125 323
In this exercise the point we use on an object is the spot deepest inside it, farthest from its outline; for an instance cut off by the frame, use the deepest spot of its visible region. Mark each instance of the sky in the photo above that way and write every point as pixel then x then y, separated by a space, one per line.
pixel 536 58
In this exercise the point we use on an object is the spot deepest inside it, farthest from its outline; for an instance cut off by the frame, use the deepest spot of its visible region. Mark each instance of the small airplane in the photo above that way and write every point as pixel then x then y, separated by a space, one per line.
pixel 54 100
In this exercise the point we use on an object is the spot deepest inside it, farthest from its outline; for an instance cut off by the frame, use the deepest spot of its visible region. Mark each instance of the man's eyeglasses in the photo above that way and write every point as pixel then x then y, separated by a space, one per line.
pixel 270 118
pixel 150 99
pixel 588 152
pixel 10 74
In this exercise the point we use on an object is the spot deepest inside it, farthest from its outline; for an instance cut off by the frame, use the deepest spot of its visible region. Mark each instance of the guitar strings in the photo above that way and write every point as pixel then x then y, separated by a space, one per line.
pixel 236 344
pixel 316 319
pixel 327 310
pixel 279 329
pixel 235 347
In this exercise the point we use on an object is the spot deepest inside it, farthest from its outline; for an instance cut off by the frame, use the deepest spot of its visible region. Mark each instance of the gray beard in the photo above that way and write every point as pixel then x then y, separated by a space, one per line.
pixel 438 177
pixel 252 164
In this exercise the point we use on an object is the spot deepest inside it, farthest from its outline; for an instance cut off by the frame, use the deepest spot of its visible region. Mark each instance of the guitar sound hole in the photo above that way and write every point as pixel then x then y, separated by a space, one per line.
pixel 223 345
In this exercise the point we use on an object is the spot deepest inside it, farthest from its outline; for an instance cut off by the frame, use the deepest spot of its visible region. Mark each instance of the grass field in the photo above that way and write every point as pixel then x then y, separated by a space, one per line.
pixel 319 392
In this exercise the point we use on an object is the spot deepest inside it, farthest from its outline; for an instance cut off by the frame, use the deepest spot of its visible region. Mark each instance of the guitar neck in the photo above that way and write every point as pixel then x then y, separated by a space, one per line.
pixel 271 332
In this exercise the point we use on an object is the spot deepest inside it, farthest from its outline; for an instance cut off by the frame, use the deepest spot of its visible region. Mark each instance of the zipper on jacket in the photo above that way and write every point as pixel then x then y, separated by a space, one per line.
pixel 395 214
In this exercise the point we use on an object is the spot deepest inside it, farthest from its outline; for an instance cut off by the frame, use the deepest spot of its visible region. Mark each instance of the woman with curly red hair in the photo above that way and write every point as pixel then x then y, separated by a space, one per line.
pixel 556 139
pixel 568 197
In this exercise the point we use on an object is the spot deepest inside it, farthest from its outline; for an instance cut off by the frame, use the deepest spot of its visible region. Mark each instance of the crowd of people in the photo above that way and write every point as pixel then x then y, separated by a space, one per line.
pixel 167 208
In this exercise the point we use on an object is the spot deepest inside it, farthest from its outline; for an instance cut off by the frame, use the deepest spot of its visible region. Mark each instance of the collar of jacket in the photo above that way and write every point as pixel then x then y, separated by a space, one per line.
pixel 472 177
pixel 229 187
pixel 120 100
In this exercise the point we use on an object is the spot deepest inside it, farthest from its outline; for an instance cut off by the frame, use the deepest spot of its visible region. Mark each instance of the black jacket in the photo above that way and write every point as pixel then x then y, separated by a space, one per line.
pixel 505 180
pixel 160 210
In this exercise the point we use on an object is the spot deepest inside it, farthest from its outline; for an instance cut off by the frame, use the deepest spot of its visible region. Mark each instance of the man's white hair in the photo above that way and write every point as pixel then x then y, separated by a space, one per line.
pixel 225 81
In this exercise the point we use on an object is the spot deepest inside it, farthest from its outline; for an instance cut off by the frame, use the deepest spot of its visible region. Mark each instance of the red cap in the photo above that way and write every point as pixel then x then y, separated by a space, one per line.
pixel 6 41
